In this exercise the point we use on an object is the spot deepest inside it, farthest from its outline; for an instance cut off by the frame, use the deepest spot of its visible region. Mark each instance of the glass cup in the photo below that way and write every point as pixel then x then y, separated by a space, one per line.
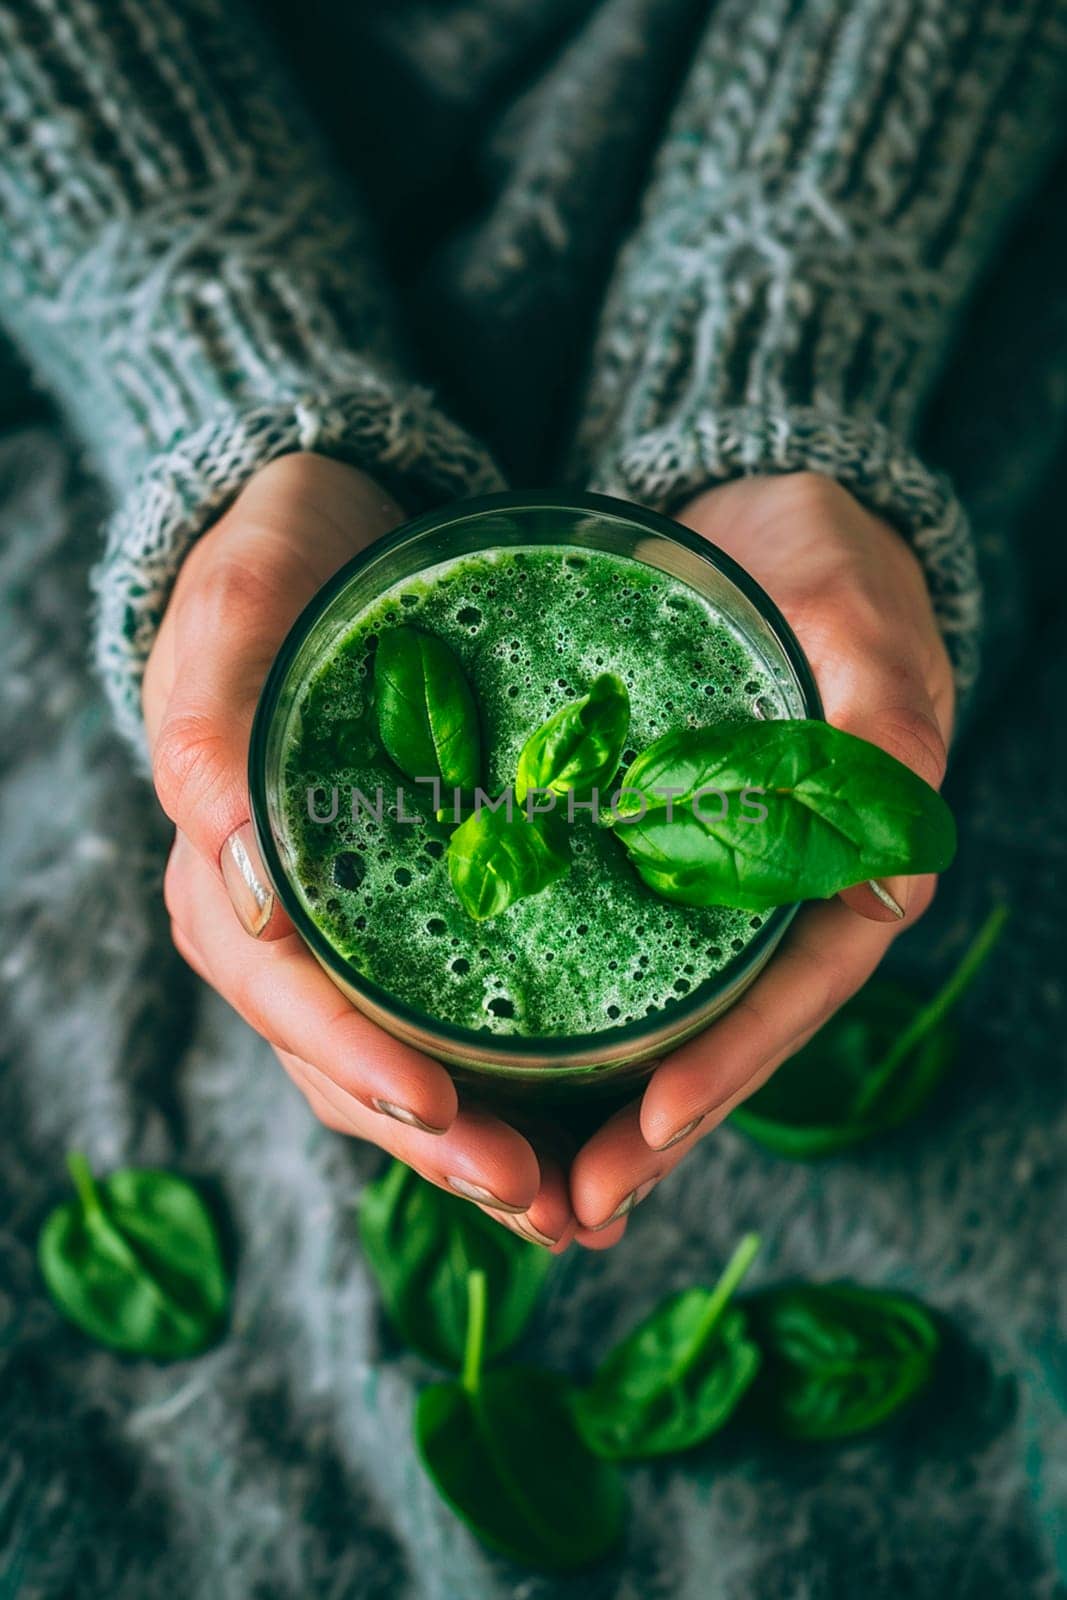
pixel 509 1067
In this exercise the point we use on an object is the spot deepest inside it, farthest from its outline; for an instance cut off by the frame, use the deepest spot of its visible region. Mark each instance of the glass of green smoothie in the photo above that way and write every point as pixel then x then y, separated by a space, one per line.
pixel 583 986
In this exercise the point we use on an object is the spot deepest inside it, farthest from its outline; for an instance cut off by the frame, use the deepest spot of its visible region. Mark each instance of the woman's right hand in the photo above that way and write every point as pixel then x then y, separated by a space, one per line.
pixel 238 592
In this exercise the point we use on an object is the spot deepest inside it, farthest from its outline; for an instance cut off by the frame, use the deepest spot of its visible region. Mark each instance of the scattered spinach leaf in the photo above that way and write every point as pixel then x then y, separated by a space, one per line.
pixel 839 811
pixel 422 1244
pixel 678 1377
pixel 502 1449
pixel 427 717
pixel 580 746
pixel 837 1359
pixel 494 861
pixel 867 1071
pixel 134 1260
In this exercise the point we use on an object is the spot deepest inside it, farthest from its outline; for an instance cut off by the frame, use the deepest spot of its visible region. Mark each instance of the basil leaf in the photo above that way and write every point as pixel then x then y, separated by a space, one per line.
pixel 427 717
pixel 493 862
pixel 580 747
pixel 502 1450
pixel 421 1244
pixel 863 1073
pixel 837 1359
pixel 135 1262
pixel 839 811
pixel 677 1378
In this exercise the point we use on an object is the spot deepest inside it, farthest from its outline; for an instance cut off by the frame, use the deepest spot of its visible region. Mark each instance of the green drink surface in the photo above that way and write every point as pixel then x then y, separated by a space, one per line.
pixel 532 626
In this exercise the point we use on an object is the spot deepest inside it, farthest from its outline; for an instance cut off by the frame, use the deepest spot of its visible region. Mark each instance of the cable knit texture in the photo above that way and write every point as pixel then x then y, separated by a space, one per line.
pixel 196 283
pixel 821 206
pixel 196 286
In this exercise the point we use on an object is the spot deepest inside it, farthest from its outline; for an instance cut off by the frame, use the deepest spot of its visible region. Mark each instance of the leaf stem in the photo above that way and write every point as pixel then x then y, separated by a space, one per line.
pixel 732 1274
pixel 475 1343
pixel 929 1015
pixel 82 1177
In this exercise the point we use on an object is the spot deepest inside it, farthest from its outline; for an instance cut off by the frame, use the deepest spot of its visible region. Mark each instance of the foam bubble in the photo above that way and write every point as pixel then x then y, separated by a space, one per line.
pixel 532 628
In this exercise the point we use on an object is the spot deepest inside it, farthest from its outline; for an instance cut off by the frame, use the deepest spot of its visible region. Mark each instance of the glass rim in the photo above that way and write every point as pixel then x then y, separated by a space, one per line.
pixel 569 1052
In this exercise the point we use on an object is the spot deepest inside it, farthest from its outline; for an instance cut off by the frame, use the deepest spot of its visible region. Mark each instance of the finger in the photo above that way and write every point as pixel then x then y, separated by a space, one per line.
pixel 288 532
pixel 189 953
pixel 826 956
pixel 613 1172
pixel 859 602
pixel 878 691
pixel 549 1220
pixel 480 1158
pixel 282 992
pixel 911 734
pixel 601 1238
pixel 880 696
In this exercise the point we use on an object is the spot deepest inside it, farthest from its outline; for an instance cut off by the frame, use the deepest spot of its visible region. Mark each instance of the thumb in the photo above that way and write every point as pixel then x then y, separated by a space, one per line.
pixel 239 592
pixel 881 699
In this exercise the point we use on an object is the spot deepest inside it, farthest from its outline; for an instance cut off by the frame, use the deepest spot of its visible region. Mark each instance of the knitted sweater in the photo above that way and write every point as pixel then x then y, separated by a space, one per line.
pixel 187 264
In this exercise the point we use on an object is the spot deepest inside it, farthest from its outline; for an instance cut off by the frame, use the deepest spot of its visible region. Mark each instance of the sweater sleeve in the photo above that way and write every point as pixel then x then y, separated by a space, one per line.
pixel 832 183
pixel 193 284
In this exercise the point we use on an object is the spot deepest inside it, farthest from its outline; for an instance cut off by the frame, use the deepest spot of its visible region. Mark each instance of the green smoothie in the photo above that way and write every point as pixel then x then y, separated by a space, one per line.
pixel 532 627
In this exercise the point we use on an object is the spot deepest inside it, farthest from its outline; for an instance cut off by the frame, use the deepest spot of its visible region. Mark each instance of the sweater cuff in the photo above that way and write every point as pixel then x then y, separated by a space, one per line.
pixel 666 466
pixel 396 435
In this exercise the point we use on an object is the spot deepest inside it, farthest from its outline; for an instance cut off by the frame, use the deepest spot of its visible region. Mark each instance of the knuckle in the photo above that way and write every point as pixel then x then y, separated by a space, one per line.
pixel 189 764
pixel 913 737
pixel 758 1025
pixel 823 984
pixel 228 598
pixel 841 607
pixel 831 986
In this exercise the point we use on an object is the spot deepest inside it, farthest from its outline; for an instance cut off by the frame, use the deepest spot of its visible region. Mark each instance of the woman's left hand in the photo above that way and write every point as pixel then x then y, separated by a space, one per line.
pixel 238 592
pixel 856 598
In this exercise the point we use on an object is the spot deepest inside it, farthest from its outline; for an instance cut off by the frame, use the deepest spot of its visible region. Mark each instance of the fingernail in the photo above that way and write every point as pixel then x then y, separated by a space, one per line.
pixel 682 1133
pixel 624 1208
pixel 890 902
pixel 389 1108
pixel 526 1230
pixel 474 1191
pixel 246 882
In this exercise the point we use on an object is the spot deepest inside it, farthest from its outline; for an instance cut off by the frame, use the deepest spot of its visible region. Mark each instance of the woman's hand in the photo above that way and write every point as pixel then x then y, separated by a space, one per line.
pixel 236 596
pixel 857 600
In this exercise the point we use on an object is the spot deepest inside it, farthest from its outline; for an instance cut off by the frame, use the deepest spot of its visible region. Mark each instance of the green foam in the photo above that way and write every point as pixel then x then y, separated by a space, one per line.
pixel 532 627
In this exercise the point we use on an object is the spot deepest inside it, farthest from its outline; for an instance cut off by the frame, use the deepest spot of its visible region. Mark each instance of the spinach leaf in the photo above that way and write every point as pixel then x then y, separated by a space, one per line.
pixel 864 1073
pixel 838 811
pixel 678 1377
pixel 837 1359
pixel 494 861
pixel 502 1450
pixel 135 1262
pixel 579 748
pixel 421 1245
pixel 427 717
